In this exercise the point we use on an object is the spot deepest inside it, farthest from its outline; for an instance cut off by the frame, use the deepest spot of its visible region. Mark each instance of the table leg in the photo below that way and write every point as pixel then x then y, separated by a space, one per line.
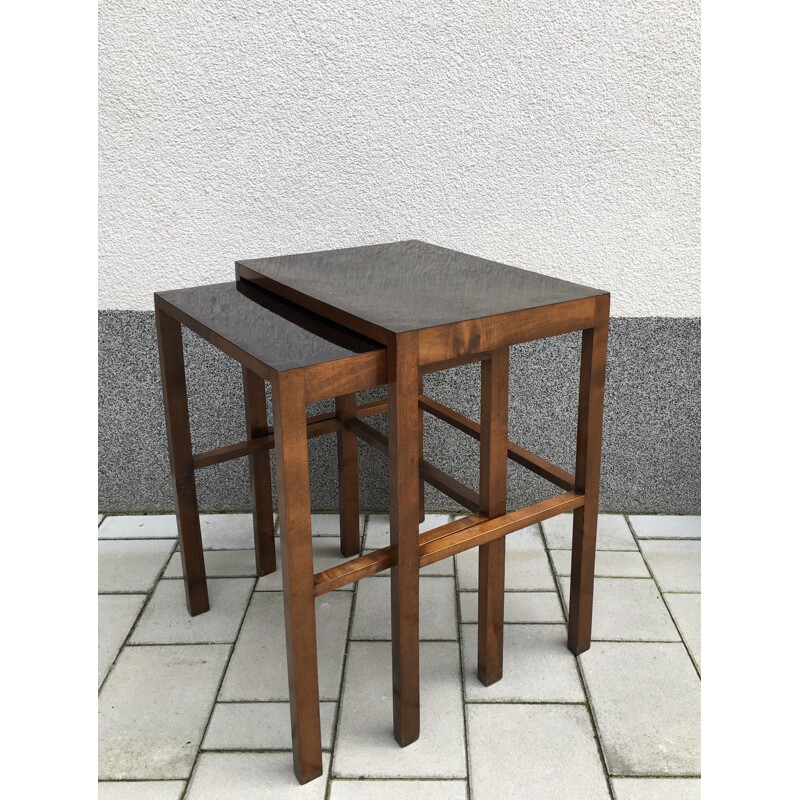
pixel 255 408
pixel 179 441
pixel 421 456
pixel 347 448
pixel 587 478
pixel 492 556
pixel 403 386
pixel 291 457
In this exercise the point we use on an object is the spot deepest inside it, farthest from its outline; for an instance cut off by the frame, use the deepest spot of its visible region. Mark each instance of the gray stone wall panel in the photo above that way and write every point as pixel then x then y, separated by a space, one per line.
pixel 651 451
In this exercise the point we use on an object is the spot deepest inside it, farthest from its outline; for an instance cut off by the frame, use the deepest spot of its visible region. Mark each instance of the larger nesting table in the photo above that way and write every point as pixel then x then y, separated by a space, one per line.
pixel 433 309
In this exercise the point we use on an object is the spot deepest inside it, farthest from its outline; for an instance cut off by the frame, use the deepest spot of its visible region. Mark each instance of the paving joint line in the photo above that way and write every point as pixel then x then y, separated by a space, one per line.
pixel 403 778
pixel 527 703
pixel 137 539
pixel 582 677
pixel 246 750
pixel 520 623
pixel 511 591
pixel 426 641
pixel 261 702
pixel 224 672
pixel 463 677
pixel 661 538
pixel 126 642
pixel 346 657
pixel 141 780
pixel 626 517
pixel 660 777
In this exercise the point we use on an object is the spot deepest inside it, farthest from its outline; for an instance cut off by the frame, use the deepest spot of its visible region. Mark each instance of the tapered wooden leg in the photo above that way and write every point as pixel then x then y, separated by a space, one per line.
pixel 347 447
pixel 255 408
pixel 403 386
pixel 421 456
pixel 587 478
pixel 291 458
pixel 179 440
pixel 492 556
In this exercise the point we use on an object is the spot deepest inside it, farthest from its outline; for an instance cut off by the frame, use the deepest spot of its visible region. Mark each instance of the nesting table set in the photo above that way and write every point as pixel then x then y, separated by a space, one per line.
pixel 329 324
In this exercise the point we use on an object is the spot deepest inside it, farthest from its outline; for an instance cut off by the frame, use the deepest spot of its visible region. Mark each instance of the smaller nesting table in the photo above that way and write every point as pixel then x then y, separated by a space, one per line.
pixel 305 358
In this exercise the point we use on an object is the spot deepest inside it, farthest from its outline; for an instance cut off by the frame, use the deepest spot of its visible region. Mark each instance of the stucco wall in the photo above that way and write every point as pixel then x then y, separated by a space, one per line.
pixel 556 135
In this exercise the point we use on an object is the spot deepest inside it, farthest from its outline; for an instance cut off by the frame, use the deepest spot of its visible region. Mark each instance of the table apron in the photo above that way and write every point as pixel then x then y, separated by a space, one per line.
pixel 476 337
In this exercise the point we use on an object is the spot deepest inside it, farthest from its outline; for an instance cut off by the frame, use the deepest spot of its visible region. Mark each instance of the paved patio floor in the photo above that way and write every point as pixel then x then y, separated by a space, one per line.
pixel 196 708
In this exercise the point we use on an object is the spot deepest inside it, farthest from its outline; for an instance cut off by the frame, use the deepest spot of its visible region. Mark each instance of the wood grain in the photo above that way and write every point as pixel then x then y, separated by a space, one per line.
pixel 351 374
pixel 294 507
pixel 421 437
pixel 591 390
pixel 371 563
pixel 318 425
pixel 492 556
pixel 179 443
pixel 255 408
pixel 474 336
pixel 347 455
pixel 403 533
pixel 491 529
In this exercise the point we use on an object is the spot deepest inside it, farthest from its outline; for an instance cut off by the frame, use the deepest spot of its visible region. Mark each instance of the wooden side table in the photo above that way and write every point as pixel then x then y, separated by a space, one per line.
pixel 305 358
pixel 433 309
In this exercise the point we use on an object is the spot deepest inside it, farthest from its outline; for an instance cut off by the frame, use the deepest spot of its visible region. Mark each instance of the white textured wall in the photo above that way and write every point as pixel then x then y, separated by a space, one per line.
pixel 560 136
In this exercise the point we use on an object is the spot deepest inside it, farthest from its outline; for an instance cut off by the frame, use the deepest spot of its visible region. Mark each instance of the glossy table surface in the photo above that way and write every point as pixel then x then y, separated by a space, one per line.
pixel 405 286
pixel 272 330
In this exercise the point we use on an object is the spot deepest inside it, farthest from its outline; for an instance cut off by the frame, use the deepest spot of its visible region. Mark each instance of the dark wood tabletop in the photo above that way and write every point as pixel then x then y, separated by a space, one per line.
pixel 263 326
pixel 404 286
